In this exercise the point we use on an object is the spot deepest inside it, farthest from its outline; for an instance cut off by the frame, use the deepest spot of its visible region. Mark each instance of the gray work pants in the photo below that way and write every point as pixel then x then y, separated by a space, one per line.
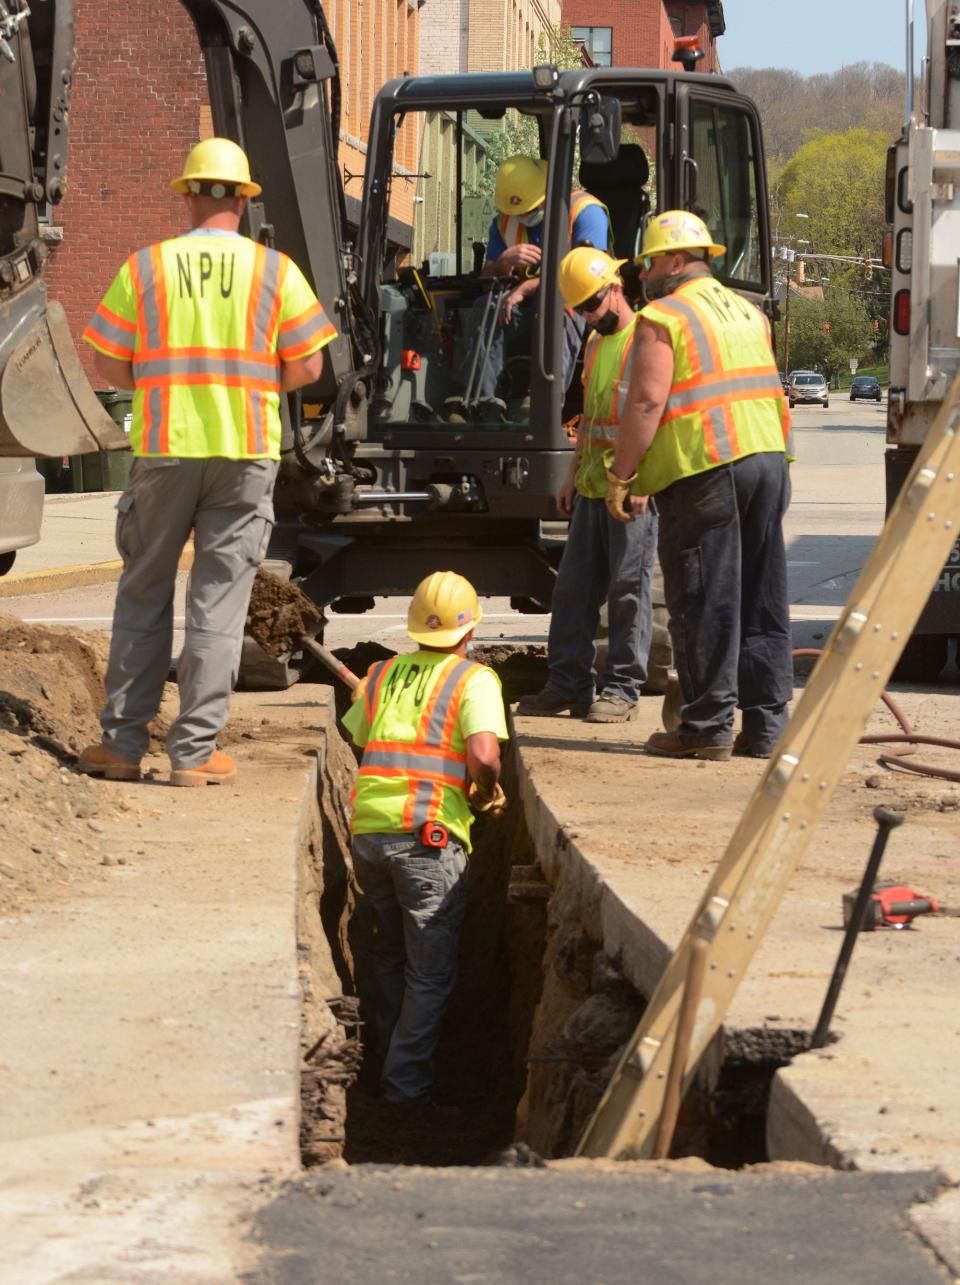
pixel 229 506
pixel 419 895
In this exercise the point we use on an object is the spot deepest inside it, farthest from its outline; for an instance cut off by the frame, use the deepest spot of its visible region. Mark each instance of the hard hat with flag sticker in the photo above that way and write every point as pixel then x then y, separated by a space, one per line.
pixel 217 167
pixel 521 185
pixel 443 610
pixel 584 271
pixel 676 230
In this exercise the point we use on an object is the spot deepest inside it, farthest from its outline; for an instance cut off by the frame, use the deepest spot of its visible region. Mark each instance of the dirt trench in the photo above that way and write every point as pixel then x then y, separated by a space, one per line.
pixel 538 1019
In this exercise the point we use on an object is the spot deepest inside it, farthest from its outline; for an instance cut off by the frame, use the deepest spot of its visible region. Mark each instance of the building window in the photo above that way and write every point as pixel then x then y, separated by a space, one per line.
pixel 677 25
pixel 598 42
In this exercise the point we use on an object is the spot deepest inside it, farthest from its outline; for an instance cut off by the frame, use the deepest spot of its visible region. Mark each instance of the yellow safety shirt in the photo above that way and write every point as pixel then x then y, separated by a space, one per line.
pixel 606 380
pixel 412 723
pixel 726 400
pixel 206 319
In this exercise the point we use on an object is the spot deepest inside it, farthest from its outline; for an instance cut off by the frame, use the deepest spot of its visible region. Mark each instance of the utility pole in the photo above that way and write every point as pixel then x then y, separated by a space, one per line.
pixel 786 315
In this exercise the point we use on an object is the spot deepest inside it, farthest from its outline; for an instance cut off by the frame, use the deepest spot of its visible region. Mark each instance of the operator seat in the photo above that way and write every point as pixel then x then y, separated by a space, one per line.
pixel 619 185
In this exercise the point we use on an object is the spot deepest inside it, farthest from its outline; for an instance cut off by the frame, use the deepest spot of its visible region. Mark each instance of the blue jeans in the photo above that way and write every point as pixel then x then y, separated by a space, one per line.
pixel 725 582
pixel 419 895
pixel 603 559
pixel 516 340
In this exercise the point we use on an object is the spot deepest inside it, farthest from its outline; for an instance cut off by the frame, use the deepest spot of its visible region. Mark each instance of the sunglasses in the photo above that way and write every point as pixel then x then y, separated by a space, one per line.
pixel 594 302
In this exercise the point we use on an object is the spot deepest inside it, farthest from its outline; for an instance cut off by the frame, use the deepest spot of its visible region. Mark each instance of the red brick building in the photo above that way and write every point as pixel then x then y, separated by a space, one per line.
pixel 640 33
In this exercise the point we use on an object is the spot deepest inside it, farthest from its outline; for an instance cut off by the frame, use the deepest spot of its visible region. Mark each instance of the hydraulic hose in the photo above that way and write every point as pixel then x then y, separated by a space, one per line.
pixel 899 760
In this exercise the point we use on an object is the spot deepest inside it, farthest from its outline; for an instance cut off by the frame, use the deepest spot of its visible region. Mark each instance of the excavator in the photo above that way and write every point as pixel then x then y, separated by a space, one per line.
pixel 379 482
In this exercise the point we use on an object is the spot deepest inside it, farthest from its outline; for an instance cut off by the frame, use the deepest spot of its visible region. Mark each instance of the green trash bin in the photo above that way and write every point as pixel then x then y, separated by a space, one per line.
pixel 106 470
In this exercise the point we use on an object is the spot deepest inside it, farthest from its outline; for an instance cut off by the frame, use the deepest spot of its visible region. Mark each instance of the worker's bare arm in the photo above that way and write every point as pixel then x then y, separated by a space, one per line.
pixel 302 371
pixel 483 761
pixel 522 256
pixel 118 374
pixel 651 377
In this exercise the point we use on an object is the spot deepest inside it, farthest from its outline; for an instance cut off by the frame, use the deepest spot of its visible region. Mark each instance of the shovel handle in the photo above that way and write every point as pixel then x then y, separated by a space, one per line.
pixel 326 657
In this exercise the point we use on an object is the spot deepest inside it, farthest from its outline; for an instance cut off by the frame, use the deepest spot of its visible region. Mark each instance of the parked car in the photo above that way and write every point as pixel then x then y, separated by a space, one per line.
pixel 866 386
pixel 21 508
pixel 805 386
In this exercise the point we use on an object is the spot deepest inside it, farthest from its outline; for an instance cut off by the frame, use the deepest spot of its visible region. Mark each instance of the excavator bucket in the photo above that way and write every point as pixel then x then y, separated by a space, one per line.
pixel 47 407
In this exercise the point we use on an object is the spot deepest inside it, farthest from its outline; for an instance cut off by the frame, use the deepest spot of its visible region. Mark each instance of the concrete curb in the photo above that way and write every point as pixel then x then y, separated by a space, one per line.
pixel 56 579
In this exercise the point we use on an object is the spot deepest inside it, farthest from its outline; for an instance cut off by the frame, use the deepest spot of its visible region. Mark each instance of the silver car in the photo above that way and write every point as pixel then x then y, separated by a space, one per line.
pixel 805 386
pixel 21 508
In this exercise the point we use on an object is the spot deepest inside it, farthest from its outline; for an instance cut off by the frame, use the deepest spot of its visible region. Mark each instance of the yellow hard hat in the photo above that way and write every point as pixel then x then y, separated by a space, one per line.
pixel 584 271
pixel 678 230
pixel 443 610
pixel 217 161
pixel 521 185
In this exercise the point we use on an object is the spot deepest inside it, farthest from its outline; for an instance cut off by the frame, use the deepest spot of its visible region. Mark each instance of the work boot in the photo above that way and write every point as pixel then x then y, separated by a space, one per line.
pixel 743 748
pixel 100 760
pixel 611 708
pixel 672 745
pixel 548 701
pixel 217 769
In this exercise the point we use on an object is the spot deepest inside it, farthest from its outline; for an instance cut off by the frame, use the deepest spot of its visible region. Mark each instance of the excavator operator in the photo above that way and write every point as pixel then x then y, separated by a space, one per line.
pixel 513 260
pixel 208 328
pixel 430 723
pixel 706 430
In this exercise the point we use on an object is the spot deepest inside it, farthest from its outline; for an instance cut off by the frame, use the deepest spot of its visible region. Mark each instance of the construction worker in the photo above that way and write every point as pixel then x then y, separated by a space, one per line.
pixel 602 558
pixel 706 430
pixel 513 251
pixel 208 328
pixel 429 723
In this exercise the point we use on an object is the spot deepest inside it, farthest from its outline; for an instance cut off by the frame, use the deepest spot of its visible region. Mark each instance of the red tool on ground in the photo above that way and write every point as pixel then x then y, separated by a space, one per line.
pixel 891 905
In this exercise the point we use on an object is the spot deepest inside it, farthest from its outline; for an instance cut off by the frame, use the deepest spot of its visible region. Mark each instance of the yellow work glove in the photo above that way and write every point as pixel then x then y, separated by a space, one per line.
pixel 618 496
pixel 480 803
pixel 359 691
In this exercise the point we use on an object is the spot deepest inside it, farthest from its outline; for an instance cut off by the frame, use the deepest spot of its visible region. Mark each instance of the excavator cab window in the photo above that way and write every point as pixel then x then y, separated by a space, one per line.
pixel 450 353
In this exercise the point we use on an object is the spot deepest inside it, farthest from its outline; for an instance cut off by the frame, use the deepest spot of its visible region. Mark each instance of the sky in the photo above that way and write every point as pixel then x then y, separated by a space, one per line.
pixel 816 35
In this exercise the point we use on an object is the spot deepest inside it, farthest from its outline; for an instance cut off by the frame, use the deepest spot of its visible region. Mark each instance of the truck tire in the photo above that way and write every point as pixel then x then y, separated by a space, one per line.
pixel 922 659
pixel 7 560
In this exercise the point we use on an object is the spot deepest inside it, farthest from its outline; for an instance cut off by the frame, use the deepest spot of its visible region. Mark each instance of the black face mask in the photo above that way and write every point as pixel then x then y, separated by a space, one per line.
pixel 608 323
pixel 662 286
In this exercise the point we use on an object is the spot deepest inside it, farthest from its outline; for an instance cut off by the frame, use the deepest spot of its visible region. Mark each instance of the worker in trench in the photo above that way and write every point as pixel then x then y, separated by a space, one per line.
pixel 208 329
pixel 430 725
pixel 603 558
pixel 513 254
pixel 706 430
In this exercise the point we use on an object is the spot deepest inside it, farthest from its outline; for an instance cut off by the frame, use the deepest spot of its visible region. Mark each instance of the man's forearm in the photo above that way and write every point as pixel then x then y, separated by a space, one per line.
pixel 637 431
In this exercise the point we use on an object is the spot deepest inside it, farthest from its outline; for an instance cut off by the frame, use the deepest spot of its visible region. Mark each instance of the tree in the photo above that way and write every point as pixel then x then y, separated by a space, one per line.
pixel 826 333
pixel 837 179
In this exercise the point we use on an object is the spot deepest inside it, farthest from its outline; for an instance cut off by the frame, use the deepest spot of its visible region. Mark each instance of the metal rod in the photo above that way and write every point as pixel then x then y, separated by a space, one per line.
pixel 910 69
pixel 391 497
pixel 335 666
pixel 689 1004
pixel 886 821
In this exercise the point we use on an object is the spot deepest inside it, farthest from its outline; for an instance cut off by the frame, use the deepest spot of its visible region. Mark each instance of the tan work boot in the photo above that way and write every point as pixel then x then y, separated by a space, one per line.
pixel 218 768
pixel 671 745
pixel 98 760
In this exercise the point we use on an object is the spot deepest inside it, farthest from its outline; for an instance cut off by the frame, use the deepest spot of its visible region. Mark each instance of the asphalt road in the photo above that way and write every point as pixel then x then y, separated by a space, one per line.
pixel 501 1226
pixel 836 514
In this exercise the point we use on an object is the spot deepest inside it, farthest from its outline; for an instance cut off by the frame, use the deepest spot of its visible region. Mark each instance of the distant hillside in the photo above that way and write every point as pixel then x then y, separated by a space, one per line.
pixel 867 95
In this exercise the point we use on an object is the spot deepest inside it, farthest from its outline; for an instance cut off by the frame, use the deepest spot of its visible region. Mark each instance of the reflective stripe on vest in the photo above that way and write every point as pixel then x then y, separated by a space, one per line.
pixel 726 400
pixel 427 760
pixel 605 385
pixel 159 368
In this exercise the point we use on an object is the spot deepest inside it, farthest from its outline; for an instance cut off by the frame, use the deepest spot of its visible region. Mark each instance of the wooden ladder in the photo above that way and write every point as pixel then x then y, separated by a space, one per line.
pixel 803 772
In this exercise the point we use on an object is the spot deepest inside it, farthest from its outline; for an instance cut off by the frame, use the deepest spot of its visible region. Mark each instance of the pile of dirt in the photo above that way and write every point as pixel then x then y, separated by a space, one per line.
pixel 51 818
pixel 280 614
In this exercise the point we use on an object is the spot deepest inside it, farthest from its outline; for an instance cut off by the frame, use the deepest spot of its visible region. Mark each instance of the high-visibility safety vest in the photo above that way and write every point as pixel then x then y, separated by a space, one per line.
pixel 606 379
pixel 514 232
pixel 206 320
pixel 726 400
pixel 414 764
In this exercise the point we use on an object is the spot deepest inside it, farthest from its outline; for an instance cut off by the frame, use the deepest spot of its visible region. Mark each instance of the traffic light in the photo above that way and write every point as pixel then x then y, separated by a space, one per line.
pixel 868 268
pixel 799 272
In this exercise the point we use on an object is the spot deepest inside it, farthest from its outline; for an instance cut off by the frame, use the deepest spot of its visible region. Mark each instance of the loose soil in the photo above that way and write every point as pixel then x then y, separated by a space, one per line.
pixel 280 614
